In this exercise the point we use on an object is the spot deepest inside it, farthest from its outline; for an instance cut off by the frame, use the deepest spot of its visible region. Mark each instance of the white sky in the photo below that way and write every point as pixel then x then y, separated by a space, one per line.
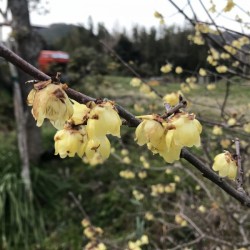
pixel 116 14
pixel 128 12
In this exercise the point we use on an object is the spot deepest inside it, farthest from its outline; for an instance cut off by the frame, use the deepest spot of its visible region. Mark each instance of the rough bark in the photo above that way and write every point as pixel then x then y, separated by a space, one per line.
pixel 28 44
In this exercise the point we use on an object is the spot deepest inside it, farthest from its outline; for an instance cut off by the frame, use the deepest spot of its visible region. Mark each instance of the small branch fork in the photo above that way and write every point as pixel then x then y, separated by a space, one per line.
pixel 132 121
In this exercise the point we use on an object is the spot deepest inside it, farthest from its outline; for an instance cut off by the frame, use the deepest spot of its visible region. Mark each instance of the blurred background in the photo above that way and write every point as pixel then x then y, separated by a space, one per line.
pixel 134 200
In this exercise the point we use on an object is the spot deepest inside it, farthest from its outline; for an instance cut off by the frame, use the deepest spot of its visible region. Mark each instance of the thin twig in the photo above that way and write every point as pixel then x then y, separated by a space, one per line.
pixel 240 174
pixel 130 68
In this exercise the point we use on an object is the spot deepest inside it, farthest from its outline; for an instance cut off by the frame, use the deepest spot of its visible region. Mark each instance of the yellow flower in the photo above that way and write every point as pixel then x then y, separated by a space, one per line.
pixel 184 130
pixel 230 49
pixel 235 64
pixel 166 68
pixel 133 245
pixel 226 165
pixel 149 131
pixel 50 101
pixel 145 89
pixel 225 143
pixel 158 15
pixel 85 223
pixel 144 239
pixel 101 246
pixel 69 141
pixel 246 127
pixel 211 86
pixel 172 98
pixel 179 220
pixel 178 70
pixel 138 195
pixel 229 6
pixel 202 72
pixel 127 174
pixel 184 88
pixel 224 56
pixel 177 178
pixel 217 130
pixel 149 216
pixel 142 174
pixel 126 160
pixel 231 121
pixel 202 209
pixel 135 82
pixel 170 188
pixel 80 113
pixel 215 54
pixel 124 152
pixel 170 151
pixel 221 69
pixel 97 150
pixel 103 120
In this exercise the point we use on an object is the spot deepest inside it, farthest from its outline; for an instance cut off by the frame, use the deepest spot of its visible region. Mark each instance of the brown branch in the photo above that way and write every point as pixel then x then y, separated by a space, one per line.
pixel 132 121
pixel 240 174
pixel 212 176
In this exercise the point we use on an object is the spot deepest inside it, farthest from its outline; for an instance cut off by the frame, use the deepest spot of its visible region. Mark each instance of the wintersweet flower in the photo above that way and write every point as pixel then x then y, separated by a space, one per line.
pixel 70 141
pixel 166 68
pixel 217 130
pixel 50 101
pixel 80 113
pixel 202 72
pixel 211 86
pixel 183 130
pixel 172 98
pixel 97 150
pixel 231 121
pixel 226 165
pixel 246 127
pixel 149 216
pixel 184 88
pixel 149 131
pixel 229 6
pixel 180 220
pixel 225 143
pixel 135 82
pixel 178 70
pixel 221 69
pixel 103 120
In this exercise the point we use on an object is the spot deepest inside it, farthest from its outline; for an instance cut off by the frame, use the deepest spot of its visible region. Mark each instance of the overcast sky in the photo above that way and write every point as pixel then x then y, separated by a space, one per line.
pixel 125 13
pixel 116 14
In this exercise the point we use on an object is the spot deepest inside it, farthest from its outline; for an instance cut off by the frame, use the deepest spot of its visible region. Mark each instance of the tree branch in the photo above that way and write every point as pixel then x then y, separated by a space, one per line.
pixel 132 121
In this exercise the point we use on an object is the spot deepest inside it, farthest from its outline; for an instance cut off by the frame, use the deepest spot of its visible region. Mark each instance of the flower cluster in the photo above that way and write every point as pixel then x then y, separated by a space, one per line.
pixel 167 137
pixel 159 189
pixel 93 234
pixel 82 129
pixel 136 245
pixel 87 130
